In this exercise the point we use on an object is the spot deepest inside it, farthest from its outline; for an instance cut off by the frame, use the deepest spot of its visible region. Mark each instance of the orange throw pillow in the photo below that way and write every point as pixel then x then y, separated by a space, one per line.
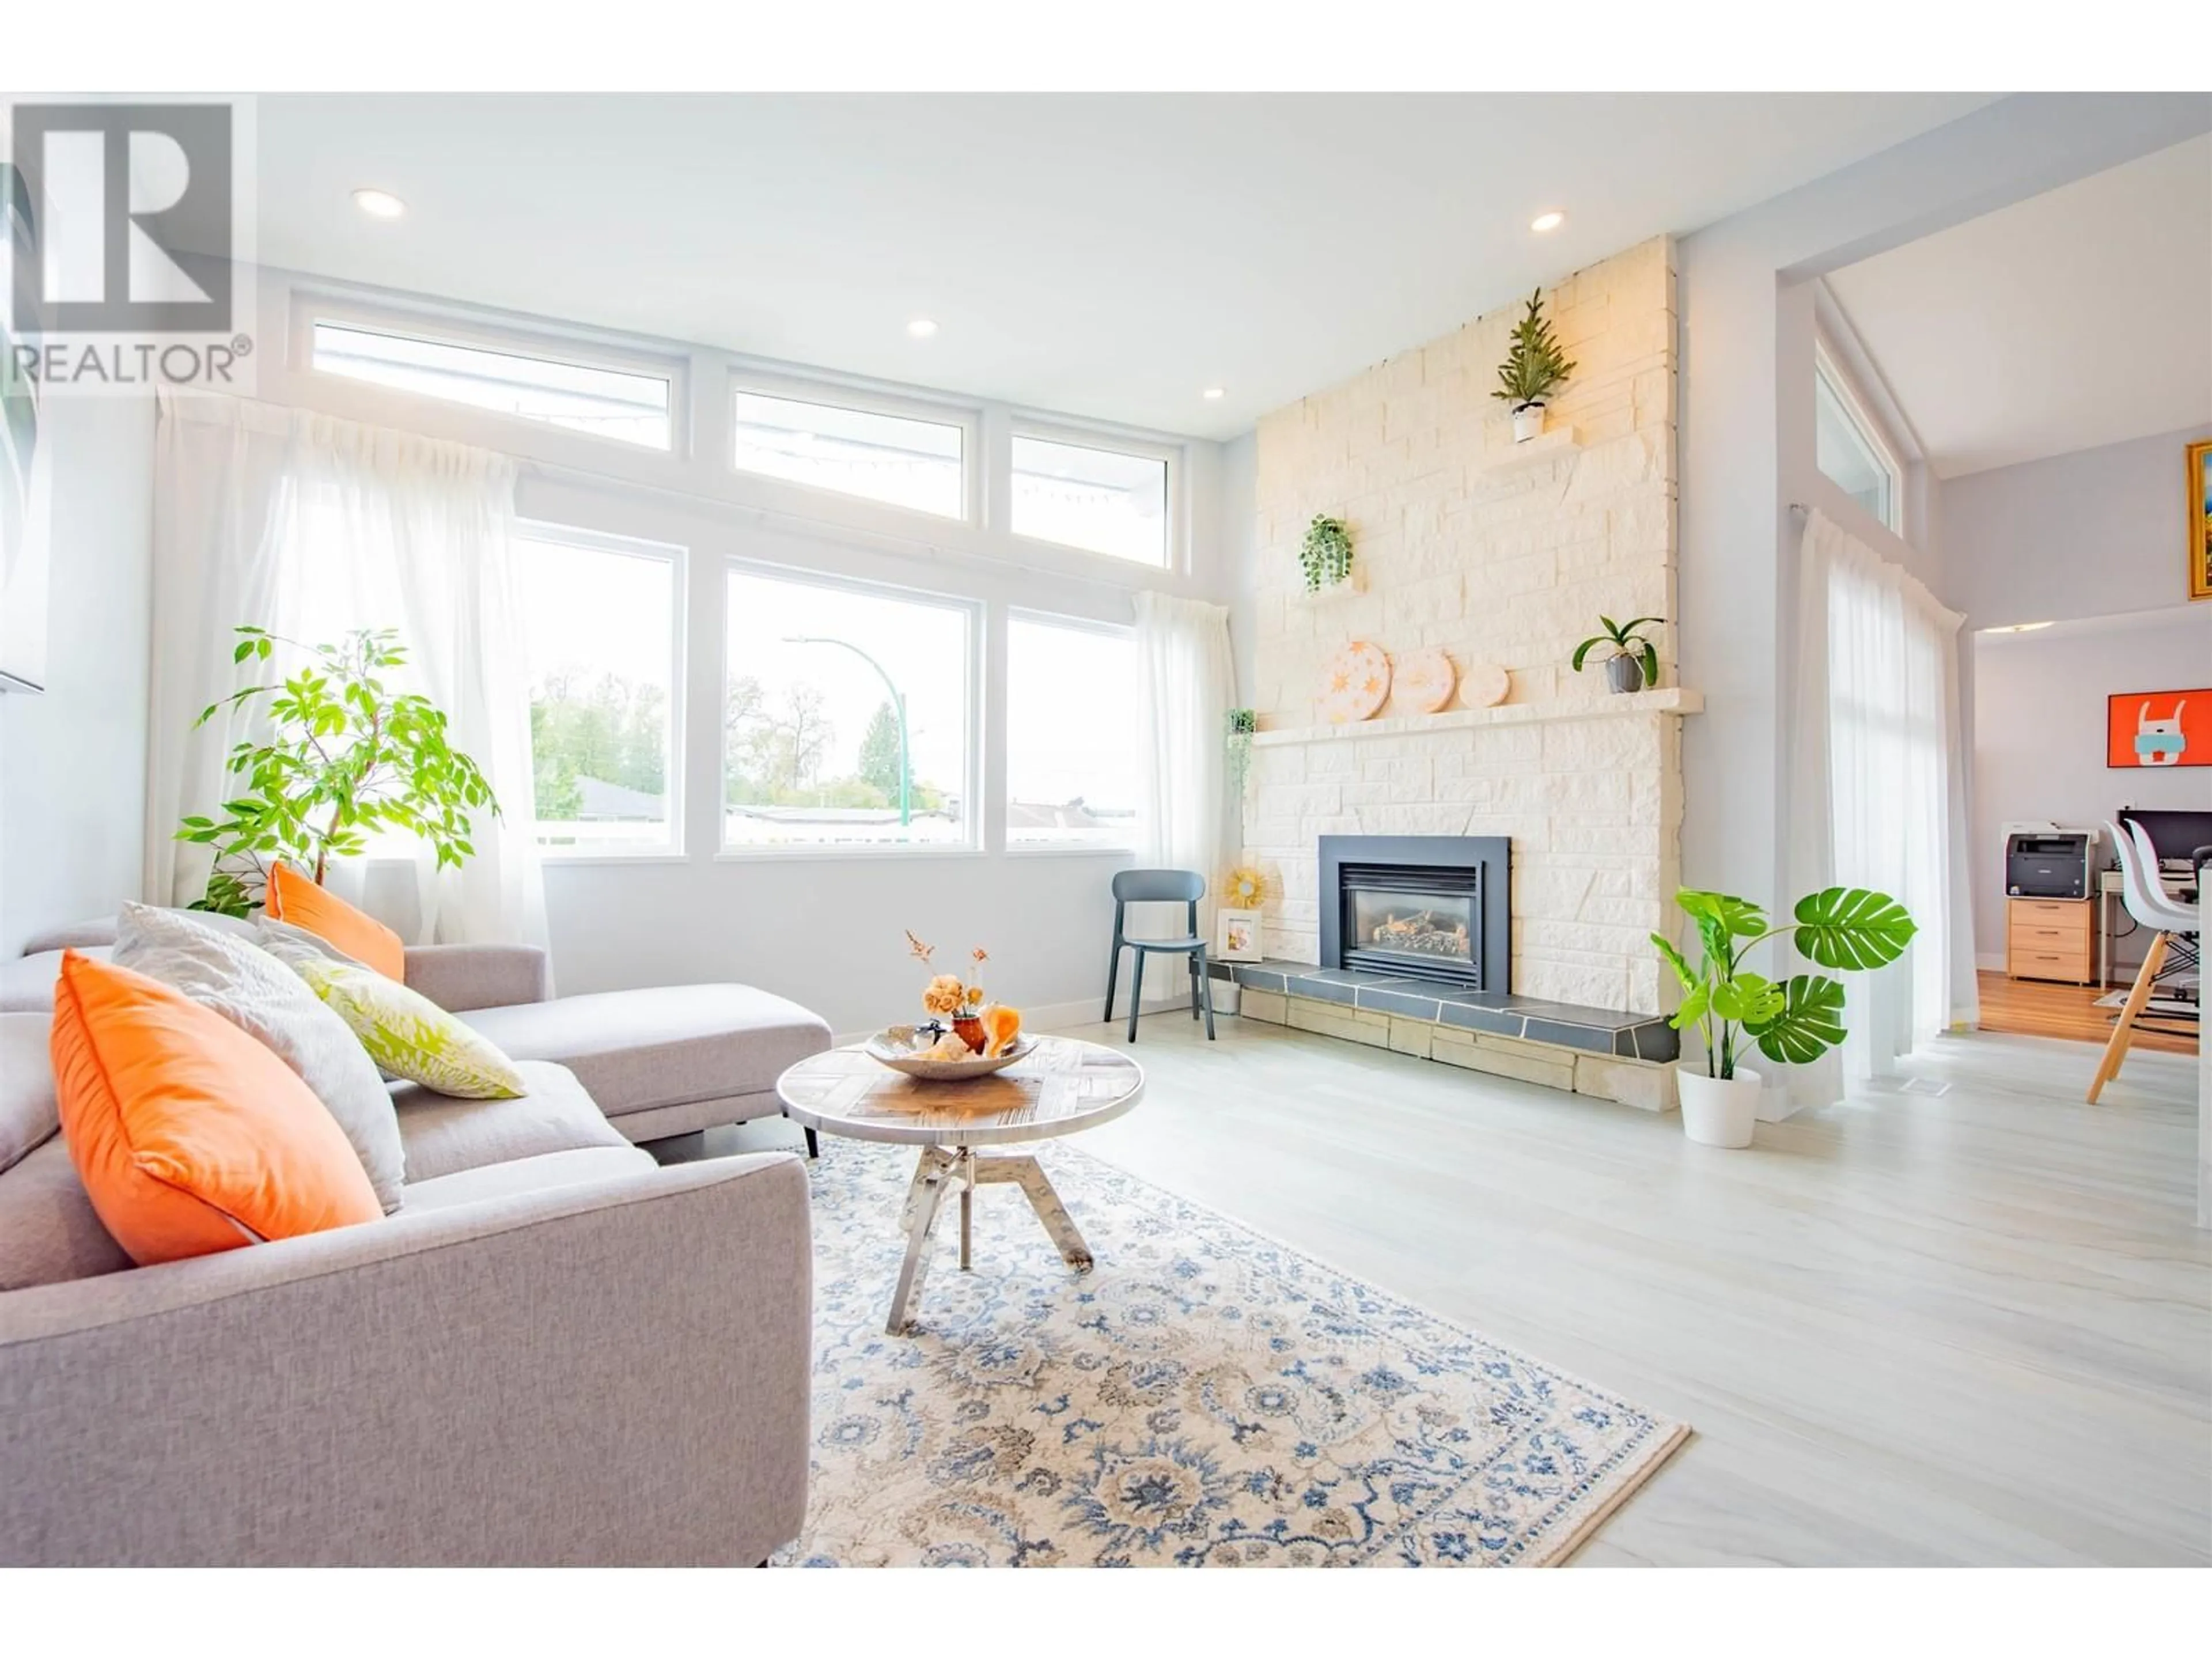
pixel 292 897
pixel 189 1136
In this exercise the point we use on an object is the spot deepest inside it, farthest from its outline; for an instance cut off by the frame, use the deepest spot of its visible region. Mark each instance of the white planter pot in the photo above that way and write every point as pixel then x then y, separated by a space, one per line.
pixel 1528 422
pixel 1717 1112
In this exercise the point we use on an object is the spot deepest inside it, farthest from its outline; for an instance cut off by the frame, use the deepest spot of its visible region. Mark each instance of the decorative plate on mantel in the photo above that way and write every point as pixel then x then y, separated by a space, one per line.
pixel 1354 683
pixel 1424 680
pixel 1484 685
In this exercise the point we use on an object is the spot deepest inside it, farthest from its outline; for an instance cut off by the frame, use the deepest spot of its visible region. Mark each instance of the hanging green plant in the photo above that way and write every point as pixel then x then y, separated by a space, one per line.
pixel 1326 555
pixel 1242 723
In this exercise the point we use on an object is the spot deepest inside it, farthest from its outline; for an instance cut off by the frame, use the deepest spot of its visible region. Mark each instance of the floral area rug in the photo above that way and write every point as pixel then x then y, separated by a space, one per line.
pixel 1203 1397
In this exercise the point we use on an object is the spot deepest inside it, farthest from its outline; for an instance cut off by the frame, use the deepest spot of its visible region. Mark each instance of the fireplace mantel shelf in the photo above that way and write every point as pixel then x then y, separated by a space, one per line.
pixel 1667 700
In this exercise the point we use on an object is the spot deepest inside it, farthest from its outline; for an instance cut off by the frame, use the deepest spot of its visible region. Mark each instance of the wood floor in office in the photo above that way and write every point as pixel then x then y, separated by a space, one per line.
pixel 1973 1328
pixel 2028 1007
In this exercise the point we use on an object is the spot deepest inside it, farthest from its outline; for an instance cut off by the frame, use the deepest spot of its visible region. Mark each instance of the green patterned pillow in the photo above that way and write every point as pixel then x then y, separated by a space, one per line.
pixel 410 1036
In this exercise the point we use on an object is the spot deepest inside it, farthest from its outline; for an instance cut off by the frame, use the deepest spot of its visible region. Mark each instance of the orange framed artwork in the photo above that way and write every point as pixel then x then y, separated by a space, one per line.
pixel 2159 728
pixel 2200 521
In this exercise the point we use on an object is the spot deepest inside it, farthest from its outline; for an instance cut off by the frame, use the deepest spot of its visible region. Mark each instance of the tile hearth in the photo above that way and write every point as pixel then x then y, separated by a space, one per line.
pixel 1594 1030
pixel 1616 1055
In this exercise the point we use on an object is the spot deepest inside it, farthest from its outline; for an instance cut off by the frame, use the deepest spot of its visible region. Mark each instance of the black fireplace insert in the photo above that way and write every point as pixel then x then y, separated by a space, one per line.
pixel 1422 907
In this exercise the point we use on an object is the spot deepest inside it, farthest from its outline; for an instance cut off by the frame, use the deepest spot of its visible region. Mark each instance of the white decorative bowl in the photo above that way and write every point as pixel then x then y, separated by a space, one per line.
pixel 901 1048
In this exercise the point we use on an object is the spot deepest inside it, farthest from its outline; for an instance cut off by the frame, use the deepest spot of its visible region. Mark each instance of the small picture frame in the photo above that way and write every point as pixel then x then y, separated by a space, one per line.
pixel 2198 520
pixel 1236 935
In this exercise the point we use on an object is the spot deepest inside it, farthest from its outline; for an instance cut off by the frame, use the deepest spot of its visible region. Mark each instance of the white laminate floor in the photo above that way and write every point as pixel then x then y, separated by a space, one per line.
pixel 1970 1328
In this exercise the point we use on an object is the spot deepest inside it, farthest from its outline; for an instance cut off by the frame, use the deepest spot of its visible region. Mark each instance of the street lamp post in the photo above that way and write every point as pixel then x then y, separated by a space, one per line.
pixel 898 707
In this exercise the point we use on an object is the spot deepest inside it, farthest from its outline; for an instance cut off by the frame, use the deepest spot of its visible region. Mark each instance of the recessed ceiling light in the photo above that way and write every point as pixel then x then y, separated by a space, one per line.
pixel 1550 221
pixel 2017 628
pixel 378 204
pixel 1213 393
pixel 921 328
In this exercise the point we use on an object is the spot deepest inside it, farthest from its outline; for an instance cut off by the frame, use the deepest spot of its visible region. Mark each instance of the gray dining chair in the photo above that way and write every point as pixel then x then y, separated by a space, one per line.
pixel 1183 887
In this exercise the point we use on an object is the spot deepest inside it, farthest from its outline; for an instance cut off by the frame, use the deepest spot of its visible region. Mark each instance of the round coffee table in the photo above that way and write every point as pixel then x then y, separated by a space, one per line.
pixel 1059 1086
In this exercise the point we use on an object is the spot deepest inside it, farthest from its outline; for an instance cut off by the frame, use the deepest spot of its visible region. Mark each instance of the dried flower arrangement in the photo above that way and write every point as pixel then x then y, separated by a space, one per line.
pixel 948 994
pixel 984 1029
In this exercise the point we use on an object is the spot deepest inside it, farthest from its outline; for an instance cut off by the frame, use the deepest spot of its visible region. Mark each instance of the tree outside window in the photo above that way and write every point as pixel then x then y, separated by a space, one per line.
pixel 810 739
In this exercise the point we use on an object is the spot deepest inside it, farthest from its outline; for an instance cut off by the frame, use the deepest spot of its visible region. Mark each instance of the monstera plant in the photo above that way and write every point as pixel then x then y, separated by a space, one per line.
pixel 1793 1020
pixel 346 756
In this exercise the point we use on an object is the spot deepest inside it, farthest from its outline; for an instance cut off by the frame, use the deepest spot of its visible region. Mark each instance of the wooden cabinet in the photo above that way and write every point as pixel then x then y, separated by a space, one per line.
pixel 2051 938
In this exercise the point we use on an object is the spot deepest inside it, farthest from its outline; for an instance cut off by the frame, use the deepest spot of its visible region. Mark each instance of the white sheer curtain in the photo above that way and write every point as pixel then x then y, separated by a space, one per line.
pixel 1185 685
pixel 309 525
pixel 1875 795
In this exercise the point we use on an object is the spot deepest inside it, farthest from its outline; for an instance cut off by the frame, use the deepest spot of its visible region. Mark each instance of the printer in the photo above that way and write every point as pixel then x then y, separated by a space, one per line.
pixel 2043 860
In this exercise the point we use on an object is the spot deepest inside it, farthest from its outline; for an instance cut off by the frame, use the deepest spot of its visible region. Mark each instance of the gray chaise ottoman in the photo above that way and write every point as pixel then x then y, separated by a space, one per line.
pixel 667 1060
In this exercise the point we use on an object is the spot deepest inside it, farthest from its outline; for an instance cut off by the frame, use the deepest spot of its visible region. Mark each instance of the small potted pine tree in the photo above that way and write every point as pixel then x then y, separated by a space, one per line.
pixel 1533 370
pixel 1792 1021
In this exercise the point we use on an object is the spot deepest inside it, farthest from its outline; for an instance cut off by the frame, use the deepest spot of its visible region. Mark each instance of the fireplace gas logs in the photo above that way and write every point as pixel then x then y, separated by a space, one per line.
pixel 1420 933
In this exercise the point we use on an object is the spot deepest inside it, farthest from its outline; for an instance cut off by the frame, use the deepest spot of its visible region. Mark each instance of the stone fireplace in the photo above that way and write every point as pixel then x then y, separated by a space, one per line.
pixel 1476 882
pixel 1431 907
pixel 1501 557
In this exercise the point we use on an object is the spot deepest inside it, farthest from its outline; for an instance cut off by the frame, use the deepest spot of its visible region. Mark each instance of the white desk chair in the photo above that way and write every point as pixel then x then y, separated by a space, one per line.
pixel 2169 924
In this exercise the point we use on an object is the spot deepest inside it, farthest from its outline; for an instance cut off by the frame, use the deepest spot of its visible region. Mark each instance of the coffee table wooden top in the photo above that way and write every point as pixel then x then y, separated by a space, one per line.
pixel 1061 1085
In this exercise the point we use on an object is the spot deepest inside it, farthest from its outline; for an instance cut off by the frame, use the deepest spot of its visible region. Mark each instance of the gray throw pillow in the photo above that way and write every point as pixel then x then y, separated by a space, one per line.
pixel 292 944
pixel 265 999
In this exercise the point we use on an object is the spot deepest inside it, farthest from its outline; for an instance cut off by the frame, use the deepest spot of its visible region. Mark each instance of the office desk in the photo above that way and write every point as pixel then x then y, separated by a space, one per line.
pixel 2181 889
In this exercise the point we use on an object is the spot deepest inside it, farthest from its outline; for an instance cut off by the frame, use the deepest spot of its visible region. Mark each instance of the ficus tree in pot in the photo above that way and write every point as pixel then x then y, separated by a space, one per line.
pixel 1792 1021
pixel 346 755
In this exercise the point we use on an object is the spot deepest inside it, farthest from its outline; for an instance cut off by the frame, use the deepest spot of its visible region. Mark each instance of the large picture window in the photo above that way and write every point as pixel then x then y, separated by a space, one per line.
pixel 604 622
pixel 1070 734
pixel 1104 501
pixel 607 402
pixel 894 458
pixel 846 717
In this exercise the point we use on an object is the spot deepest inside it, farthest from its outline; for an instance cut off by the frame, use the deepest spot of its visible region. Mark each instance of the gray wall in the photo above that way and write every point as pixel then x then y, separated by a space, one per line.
pixel 2096 533
pixel 2093 543
pixel 1746 368
pixel 73 759
pixel 1238 540
pixel 2040 736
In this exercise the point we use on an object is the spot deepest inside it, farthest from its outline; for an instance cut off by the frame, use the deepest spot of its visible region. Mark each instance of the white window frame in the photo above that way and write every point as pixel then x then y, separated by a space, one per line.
pixel 972 844
pixel 311 307
pixel 830 394
pixel 1826 367
pixel 1080 624
pixel 1108 441
pixel 671 851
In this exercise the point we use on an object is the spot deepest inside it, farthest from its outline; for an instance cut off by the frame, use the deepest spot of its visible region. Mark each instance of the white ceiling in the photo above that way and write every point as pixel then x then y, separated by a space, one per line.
pixel 2078 318
pixel 1106 255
